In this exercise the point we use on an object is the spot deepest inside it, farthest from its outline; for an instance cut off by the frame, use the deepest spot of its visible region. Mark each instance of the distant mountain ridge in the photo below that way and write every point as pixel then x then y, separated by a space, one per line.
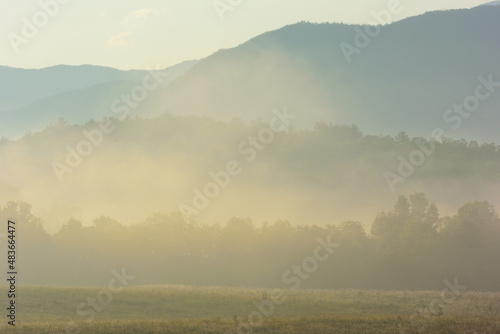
pixel 406 78
pixel 31 98
pixel 493 3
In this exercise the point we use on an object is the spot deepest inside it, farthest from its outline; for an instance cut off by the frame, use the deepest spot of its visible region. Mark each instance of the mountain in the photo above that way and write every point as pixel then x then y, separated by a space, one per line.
pixel 20 87
pixel 405 78
pixel 493 3
pixel 31 99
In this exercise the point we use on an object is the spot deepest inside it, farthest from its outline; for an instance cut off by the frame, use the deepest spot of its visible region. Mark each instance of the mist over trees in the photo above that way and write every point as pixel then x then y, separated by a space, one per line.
pixel 408 247
pixel 337 168
pixel 324 182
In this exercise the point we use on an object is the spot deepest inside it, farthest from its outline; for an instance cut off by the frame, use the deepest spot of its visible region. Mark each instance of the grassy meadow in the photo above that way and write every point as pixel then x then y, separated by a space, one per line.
pixel 211 310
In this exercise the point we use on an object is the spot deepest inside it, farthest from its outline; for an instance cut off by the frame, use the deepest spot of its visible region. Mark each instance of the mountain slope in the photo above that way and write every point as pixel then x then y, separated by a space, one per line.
pixel 20 87
pixel 493 3
pixel 76 93
pixel 405 79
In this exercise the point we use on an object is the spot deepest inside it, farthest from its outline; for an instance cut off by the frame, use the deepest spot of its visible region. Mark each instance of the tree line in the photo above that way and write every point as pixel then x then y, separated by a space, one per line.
pixel 408 247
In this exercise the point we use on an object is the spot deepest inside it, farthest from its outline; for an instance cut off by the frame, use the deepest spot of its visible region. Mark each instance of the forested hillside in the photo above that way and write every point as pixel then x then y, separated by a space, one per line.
pixel 328 174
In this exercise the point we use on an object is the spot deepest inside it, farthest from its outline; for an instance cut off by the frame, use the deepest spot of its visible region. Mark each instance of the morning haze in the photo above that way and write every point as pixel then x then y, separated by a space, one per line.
pixel 244 167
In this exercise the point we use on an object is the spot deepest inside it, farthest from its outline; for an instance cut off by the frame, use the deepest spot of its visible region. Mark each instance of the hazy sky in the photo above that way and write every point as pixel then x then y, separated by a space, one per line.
pixel 158 33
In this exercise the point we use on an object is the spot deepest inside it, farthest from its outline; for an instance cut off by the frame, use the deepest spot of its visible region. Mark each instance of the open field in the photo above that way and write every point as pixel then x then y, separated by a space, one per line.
pixel 176 309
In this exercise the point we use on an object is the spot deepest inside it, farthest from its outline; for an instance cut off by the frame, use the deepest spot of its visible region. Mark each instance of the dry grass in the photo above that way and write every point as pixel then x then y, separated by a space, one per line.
pixel 174 309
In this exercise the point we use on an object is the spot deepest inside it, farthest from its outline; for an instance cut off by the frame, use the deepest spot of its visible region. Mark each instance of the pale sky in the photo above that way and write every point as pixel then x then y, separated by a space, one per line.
pixel 132 34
